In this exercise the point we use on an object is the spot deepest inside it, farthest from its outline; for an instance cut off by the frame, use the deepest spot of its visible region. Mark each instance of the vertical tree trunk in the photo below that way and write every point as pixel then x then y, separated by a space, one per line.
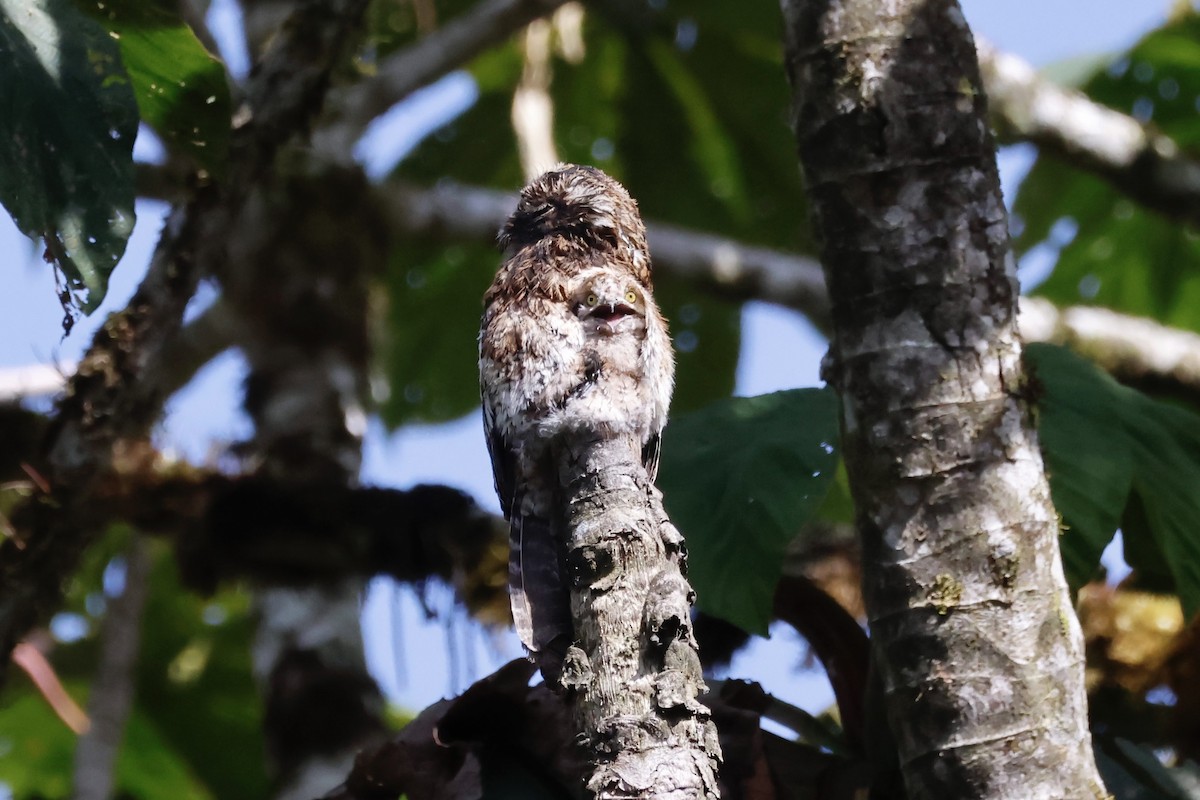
pixel 302 289
pixel 635 667
pixel 974 637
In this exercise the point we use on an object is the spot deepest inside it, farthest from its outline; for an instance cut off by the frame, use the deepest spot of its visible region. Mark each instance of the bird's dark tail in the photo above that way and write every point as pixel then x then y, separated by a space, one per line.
pixel 537 587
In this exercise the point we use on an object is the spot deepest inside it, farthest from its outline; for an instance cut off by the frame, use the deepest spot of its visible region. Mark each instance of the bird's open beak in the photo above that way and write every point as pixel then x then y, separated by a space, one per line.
pixel 612 312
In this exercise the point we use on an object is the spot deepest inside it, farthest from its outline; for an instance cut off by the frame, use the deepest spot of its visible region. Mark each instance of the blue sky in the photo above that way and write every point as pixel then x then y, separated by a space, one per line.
pixel 779 351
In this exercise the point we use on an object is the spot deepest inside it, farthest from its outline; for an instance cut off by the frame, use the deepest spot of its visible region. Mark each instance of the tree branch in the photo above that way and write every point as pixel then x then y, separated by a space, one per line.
pixel 228 528
pixel 432 56
pixel 1146 165
pixel 35 380
pixel 1136 351
pixel 735 271
pixel 634 665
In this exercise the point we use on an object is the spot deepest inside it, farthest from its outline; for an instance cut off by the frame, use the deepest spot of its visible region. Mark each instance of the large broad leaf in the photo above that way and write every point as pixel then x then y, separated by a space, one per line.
pixel 1117 457
pixel 68 118
pixel 430 355
pixel 1111 251
pixel 740 477
pixel 181 88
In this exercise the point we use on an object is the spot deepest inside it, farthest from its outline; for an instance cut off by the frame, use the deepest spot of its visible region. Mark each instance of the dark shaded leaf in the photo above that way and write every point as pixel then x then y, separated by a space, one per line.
pixel 69 118
pixel 1115 455
pixel 1132 772
pixel 430 354
pixel 181 88
pixel 707 335
pixel 740 477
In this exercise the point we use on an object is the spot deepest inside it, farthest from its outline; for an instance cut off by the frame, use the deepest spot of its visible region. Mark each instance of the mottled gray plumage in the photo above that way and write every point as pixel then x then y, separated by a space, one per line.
pixel 571 343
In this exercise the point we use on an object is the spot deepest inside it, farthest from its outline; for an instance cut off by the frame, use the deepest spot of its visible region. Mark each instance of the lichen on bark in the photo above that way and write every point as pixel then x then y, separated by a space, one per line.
pixel 634 670
pixel 980 659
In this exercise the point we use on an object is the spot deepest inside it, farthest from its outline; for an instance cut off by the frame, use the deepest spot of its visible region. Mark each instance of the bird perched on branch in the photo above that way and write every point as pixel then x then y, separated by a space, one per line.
pixel 571 344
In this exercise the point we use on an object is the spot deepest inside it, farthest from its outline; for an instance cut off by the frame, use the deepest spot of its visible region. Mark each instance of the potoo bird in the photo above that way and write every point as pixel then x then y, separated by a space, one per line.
pixel 571 344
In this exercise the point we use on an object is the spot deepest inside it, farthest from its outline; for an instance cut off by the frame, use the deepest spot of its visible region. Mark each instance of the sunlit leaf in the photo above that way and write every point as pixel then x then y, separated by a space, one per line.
pixel 69 118
pixel 739 478
pixel 1111 251
pixel 181 88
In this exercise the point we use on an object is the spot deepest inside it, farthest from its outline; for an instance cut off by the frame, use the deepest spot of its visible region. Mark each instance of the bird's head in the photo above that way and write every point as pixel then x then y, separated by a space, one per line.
pixel 575 201
pixel 609 303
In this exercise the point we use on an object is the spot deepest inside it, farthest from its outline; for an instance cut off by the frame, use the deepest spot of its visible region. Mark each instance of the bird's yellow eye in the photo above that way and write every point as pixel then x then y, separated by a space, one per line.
pixel 630 296
pixel 591 300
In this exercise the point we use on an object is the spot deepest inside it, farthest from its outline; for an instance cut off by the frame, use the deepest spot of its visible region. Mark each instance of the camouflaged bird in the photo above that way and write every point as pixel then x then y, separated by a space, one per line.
pixel 571 344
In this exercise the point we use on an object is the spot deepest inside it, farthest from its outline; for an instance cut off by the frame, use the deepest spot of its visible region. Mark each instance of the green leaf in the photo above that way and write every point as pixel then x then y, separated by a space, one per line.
pixel 707 335
pixel 1115 456
pixel 39 753
pixel 430 352
pixel 149 767
pixel 69 120
pixel 1110 251
pixel 711 144
pixel 1089 464
pixel 180 87
pixel 739 479
pixel 195 685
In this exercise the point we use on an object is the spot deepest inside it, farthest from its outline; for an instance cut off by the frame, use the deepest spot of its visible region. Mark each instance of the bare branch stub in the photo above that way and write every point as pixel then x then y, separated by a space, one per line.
pixel 634 667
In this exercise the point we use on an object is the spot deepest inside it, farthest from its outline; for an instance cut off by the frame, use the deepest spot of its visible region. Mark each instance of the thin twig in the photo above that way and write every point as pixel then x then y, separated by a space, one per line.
pixel 449 47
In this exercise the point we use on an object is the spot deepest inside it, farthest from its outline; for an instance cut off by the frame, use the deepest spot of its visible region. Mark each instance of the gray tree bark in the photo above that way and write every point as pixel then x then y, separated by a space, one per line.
pixel 979 653
pixel 634 668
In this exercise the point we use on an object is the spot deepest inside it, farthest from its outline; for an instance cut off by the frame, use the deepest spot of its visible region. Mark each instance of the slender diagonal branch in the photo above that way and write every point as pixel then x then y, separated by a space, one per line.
pixel 1137 351
pixel 734 270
